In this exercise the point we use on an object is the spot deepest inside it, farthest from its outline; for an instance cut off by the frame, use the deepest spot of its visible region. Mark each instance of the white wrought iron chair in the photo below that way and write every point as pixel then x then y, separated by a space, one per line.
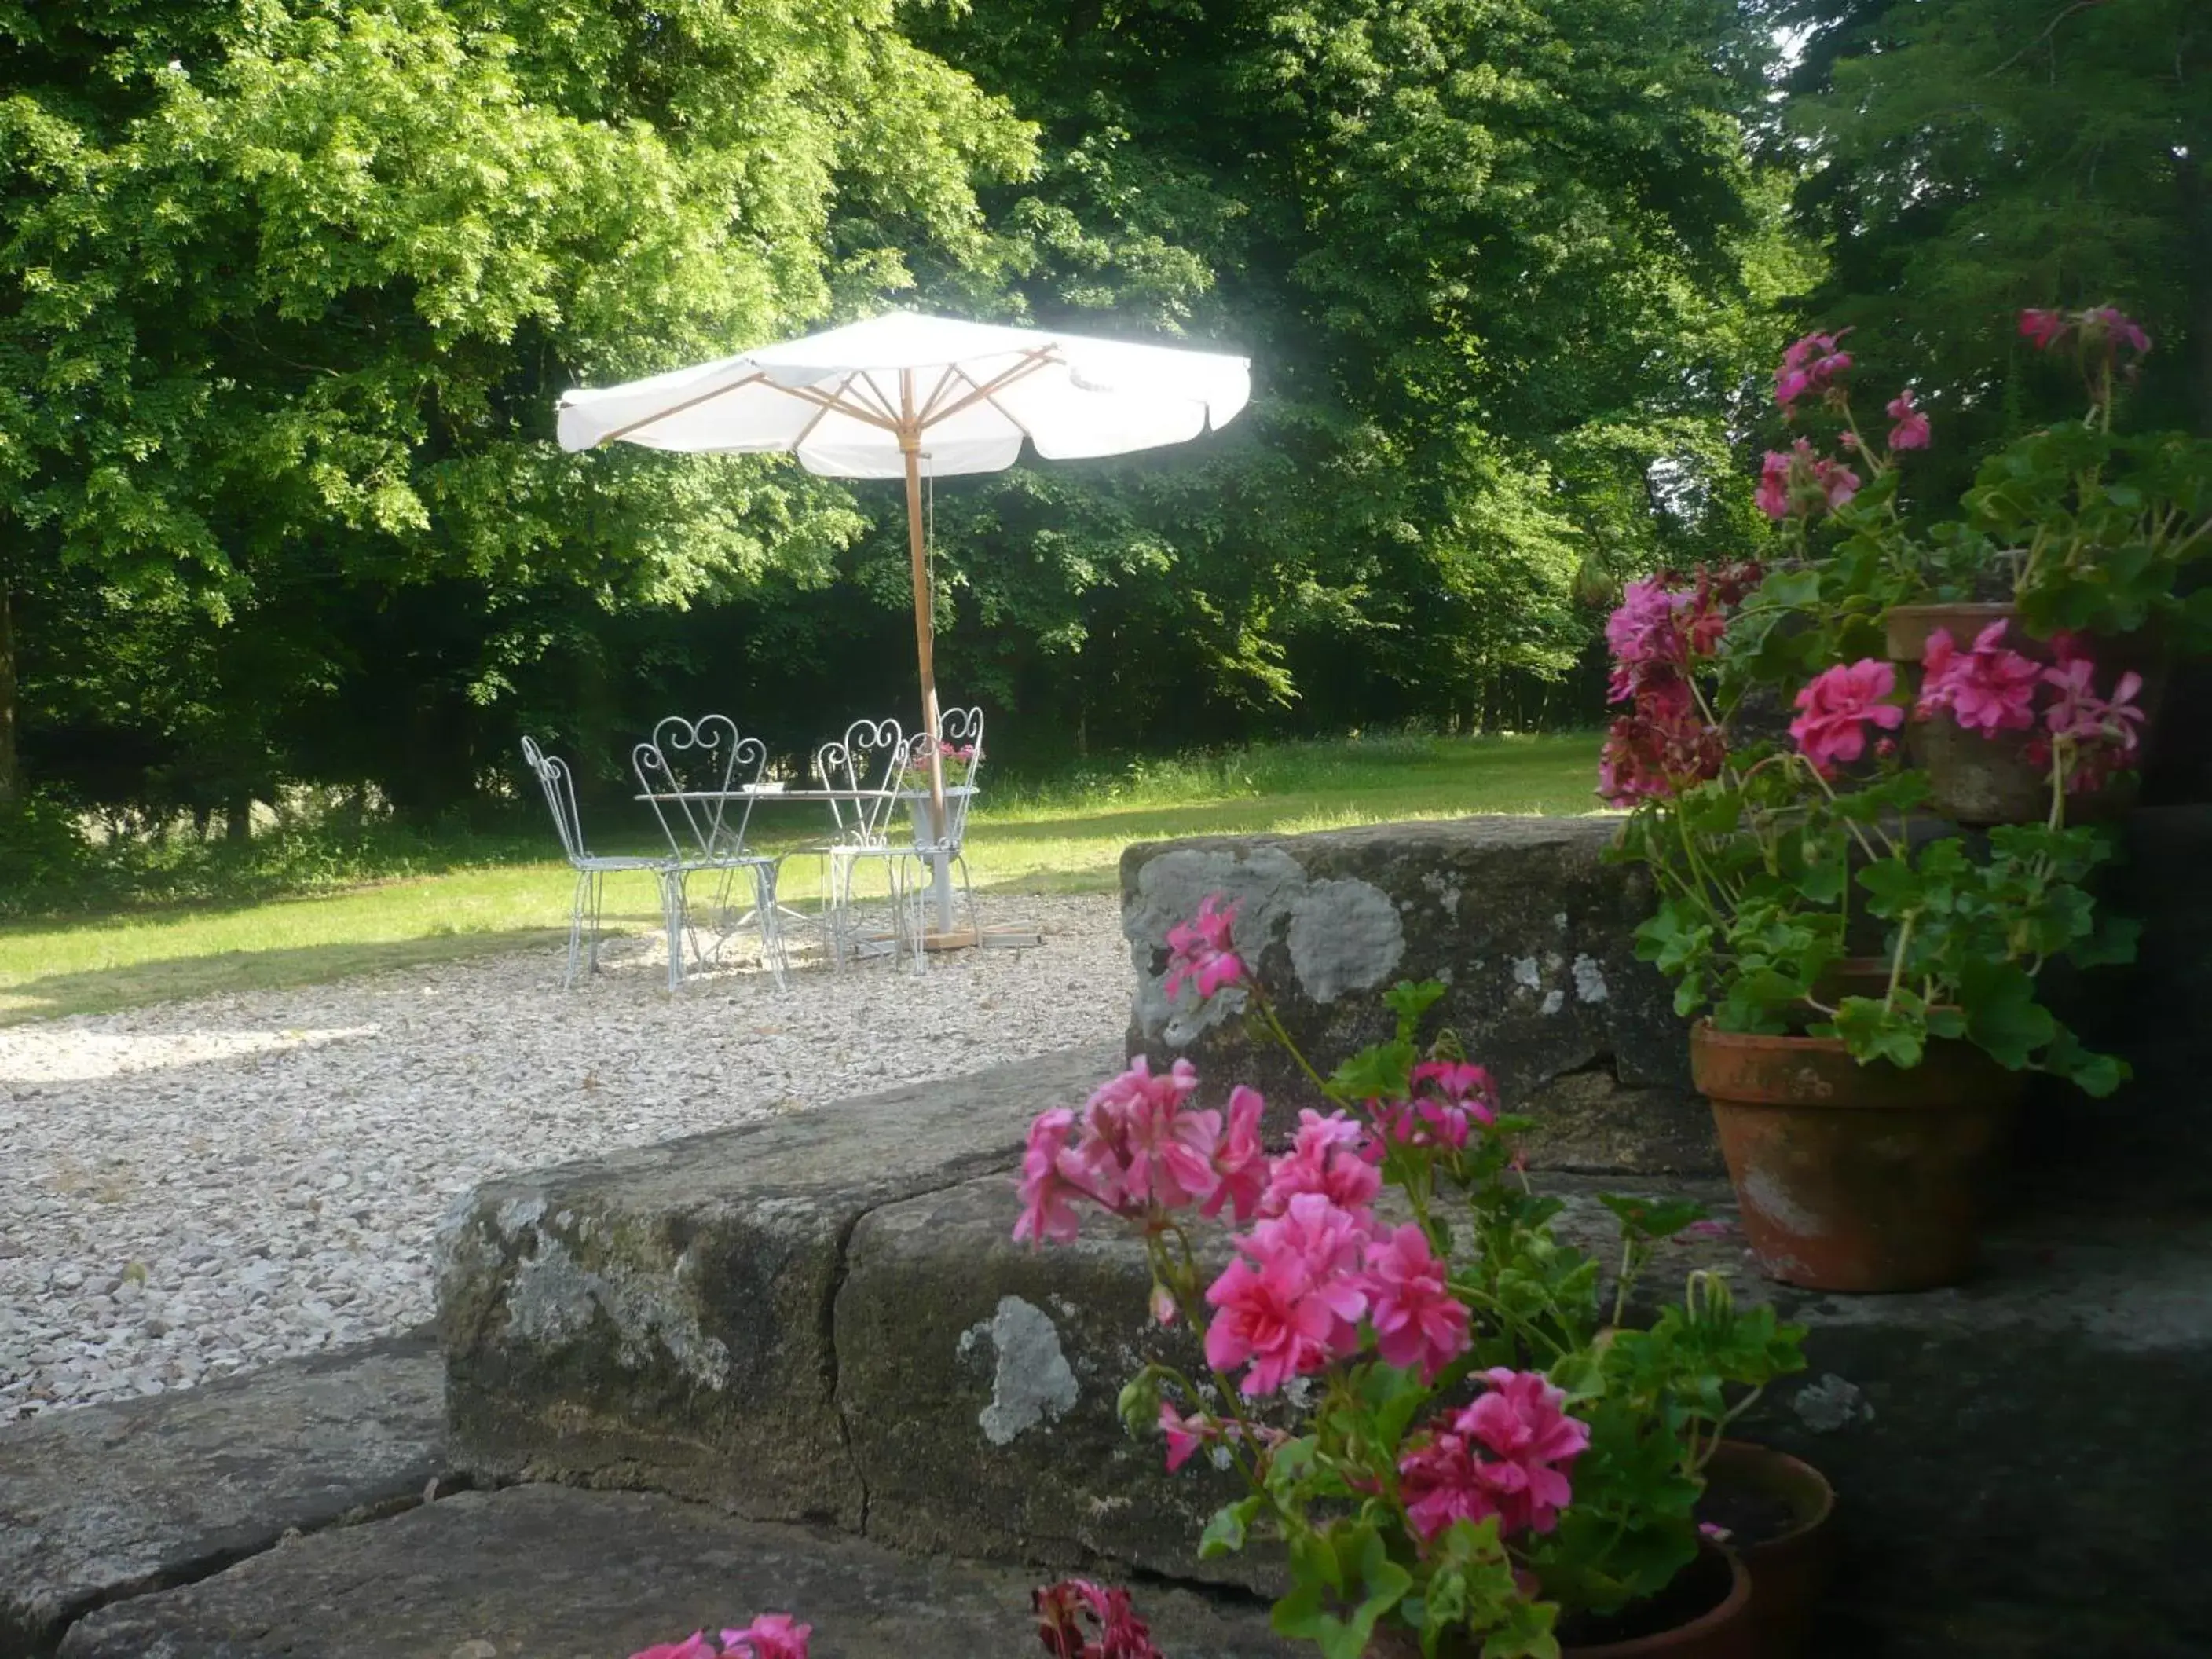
pixel 860 772
pixel 702 778
pixel 592 869
pixel 960 739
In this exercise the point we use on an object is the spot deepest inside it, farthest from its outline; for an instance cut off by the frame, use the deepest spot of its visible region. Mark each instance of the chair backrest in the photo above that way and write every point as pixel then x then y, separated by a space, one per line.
pixel 698 776
pixel 960 742
pixel 869 758
pixel 559 789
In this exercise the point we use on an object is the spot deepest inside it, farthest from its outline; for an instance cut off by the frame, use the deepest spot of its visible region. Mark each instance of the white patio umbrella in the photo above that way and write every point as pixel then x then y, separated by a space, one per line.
pixel 904 394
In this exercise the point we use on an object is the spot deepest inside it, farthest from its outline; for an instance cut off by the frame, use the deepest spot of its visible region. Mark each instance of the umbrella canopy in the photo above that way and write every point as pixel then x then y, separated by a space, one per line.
pixel 863 400
pixel 903 392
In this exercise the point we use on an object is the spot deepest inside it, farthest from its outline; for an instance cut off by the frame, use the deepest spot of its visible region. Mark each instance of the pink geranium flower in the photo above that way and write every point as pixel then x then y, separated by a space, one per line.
pixel 1060 1612
pixel 1522 1422
pixel 1185 1435
pixel 1448 1100
pixel 1773 493
pixel 1810 365
pixel 1199 949
pixel 2110 324
pixel 1838 705
pixel 1440 1481
pixel 1290 1303
pixel 1240 1158
pixel 1651 755
pixel 1420 1325
pixel 1642 630
pixel 1325 1158
pixel 2102 730
pixel 1911 430
pixel 1050 1182
pixel 770 1636
pixel 1798 481
pixel 2042 328
pixel 1987 690
pixel 1136 1146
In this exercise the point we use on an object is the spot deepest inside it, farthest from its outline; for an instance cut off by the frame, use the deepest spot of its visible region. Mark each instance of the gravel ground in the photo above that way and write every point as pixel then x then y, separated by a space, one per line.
pixel 197 1188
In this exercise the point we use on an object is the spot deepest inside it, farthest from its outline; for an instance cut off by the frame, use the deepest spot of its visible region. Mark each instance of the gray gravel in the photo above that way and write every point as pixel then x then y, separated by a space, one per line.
pixel 197 1188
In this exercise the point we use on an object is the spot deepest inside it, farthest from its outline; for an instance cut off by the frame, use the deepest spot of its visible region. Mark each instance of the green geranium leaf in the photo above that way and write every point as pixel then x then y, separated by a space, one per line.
pixel 1225 1532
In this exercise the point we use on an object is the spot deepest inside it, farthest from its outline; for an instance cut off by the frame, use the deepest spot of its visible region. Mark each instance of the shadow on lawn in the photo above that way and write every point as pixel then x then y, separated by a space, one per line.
pixel 102 990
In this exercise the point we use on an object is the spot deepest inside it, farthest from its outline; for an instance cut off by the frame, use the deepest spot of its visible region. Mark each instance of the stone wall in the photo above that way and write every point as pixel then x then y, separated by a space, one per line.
pixel 1529 928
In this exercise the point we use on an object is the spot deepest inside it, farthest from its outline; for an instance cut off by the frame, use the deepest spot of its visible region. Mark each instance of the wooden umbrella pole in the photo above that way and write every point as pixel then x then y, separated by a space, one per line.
pixel 925 620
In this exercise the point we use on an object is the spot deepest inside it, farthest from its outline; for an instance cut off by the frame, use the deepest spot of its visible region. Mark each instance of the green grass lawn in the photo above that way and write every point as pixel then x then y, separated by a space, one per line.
pixel 1066 839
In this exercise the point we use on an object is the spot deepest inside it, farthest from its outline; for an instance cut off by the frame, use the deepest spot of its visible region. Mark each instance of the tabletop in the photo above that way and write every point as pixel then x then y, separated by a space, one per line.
pixel 751 792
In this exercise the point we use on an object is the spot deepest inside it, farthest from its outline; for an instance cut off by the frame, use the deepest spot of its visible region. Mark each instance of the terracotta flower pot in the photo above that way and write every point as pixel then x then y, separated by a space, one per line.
pixel 1716 1583
pixel 1790 1571
pixel 1854 1177
pixel 1978 778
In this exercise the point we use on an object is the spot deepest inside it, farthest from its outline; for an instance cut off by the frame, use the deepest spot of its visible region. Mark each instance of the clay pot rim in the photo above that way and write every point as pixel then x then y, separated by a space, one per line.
pixel 1735 1605
pixel 1751 1450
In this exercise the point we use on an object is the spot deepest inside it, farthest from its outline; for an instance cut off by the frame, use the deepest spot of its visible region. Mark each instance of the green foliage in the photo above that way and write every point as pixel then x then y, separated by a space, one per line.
pixel 1966 158
pixel 1335 1485
pixel 291 290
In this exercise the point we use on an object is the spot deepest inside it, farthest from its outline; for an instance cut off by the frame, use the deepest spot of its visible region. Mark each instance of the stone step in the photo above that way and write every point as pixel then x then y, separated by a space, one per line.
pixel 2016 1456
pixel 108 1502
pixel 552 1572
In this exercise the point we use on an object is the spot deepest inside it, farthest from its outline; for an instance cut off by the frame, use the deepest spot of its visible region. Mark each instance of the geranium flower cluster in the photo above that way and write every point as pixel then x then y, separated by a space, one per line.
pixel 1801 483
pixel 954 763
pixel 1836 709
pixel 1663 630
pixel 1314 1264
pixel 1067 1612
pixel 1138 1150
pixel 1199 949
pixel 771 1636
pixel 1508 1454
pixel 2099 328
pixel 1991 689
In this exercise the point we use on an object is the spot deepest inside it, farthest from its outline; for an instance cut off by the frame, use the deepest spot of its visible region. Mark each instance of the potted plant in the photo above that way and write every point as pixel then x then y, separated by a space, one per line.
pixel 2071 545
pixel 1442 1410
pixel 1868 993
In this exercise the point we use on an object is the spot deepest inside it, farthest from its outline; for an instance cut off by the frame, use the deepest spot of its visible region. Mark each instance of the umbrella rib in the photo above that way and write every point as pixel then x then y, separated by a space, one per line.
pixel 884 415
pixel 929 404
pixel 1031 361
pixel 658 416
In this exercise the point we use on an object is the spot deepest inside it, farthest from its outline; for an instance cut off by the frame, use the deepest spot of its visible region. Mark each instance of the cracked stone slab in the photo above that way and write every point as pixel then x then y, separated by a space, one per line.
pixel 661 1318
pixel 551 1572
pixel 1531 931
pixel 110 1501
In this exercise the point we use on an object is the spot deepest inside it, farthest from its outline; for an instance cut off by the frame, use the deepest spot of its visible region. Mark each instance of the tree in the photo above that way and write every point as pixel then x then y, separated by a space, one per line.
pixel 1491 260
pixel 1966 158
pixel 290 286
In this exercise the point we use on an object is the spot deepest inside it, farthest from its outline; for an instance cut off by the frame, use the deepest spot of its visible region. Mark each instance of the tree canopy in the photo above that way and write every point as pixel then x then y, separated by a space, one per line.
pixel 288 287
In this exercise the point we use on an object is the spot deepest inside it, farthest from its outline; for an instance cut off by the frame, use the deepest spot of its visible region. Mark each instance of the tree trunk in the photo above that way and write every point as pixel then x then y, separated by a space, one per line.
pixel 11 782
pixel 238 819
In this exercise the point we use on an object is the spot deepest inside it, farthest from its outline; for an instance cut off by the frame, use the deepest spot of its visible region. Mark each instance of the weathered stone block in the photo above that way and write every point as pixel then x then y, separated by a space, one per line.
pixel 978 1380
pixel 2017 1460
pixel 555 1573
pixel 115 1501
pixel 1530 929
pixel 662 1317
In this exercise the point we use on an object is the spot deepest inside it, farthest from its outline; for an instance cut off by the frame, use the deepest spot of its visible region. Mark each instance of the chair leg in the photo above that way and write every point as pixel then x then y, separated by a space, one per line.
pixel 599 915
pixel 771 924
pixel 672 905
pixel 576 903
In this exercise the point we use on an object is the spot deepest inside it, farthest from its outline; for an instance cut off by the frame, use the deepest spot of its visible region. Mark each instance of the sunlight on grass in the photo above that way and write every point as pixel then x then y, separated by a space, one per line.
pixel 1068 838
